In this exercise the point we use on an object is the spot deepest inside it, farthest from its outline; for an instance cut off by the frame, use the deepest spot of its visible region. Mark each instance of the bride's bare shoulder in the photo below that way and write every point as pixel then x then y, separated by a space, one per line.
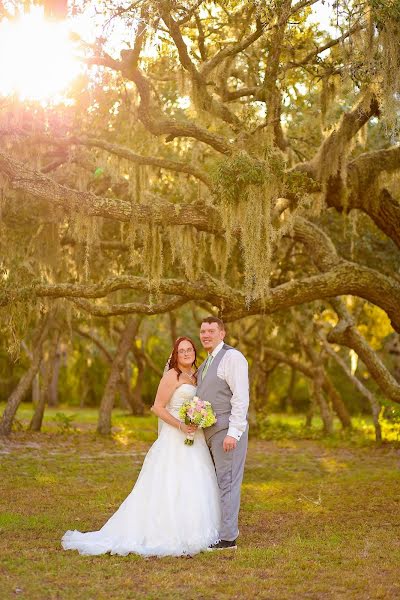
pixel 170 378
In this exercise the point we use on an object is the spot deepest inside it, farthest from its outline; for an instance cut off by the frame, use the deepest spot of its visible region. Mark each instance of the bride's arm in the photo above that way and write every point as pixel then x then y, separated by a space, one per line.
pixel 166 388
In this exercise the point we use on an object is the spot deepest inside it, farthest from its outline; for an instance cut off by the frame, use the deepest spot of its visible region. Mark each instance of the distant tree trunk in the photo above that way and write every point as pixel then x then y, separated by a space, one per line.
pixel 137 404
pixel 124 394
pixel 326 414
pixel 374 404
pixel 172 326
pixel 393 348
pixel 318 381
pixel 260 377
pixel 287 400
pixel 53 389
pixel 337 402
pixel 25 382
pixel 140 360
pixel 126 398
pixel 107 401
pixel 376 409
pixel 345 333
pixel 36 379
pixel 36 390
pixel 311 408
pixel 252 416
pixel 37 418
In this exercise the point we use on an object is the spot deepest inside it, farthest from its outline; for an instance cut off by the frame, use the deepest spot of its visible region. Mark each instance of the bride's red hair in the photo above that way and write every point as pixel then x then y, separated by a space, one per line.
pixel 173 361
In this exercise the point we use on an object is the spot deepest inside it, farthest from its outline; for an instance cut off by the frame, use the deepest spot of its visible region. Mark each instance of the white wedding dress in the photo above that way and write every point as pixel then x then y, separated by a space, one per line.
pixel 174 507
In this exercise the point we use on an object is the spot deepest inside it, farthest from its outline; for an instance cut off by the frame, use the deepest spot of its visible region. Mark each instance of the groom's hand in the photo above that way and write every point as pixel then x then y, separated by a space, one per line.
pixel 229 443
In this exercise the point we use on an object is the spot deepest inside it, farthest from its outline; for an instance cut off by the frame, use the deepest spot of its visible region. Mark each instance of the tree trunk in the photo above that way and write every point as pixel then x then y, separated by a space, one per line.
pixel 137 402
pixel 172 326
pixel 345 333
pixel 326 414
pixel 337 402
pixel 36 390
pixel 53 389
pixel 107 401
pixel 37 418
pixel 141 361
pixel 374 404
pixel 311 407
pixel 36 379
pixel 287 400
pixel 318 381
pixel 124 394
pixel 25 382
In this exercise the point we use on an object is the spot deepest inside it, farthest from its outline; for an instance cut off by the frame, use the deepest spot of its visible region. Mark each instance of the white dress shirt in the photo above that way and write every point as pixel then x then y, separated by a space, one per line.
pixel 234 369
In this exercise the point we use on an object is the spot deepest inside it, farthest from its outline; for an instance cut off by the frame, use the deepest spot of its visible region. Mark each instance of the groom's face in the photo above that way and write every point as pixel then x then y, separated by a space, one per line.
pixel 211 335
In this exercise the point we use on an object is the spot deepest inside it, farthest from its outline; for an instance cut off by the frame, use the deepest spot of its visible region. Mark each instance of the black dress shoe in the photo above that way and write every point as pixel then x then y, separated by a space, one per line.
pixel 222 545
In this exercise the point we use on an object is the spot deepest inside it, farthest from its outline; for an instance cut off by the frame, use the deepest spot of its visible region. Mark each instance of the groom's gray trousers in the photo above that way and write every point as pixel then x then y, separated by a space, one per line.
pixel 229 467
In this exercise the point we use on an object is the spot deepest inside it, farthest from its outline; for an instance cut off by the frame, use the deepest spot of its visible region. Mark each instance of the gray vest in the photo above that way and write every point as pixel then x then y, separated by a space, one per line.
pixel 215 390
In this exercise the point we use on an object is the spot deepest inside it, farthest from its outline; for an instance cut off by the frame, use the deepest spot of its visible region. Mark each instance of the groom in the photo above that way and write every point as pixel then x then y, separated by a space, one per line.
pixel 223 380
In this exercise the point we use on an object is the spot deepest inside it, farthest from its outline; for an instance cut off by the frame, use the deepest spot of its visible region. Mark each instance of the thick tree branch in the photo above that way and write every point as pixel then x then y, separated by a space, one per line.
pixel 202 97
pixel 151 115
pixel 231 50
pixel 364 391
pixel 244 43
pixel 346 334
pixel 283 357
pixel 345 278
pixel 108 310
pixel 39 186
pixel 91 335
pixel 271 93
pixel 363 183
pixel 128 154
pixel 333 150
pixel 370 165
pixel 312 55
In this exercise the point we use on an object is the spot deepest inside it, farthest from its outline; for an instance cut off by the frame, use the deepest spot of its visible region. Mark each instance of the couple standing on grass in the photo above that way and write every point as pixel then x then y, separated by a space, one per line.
pixel 186 498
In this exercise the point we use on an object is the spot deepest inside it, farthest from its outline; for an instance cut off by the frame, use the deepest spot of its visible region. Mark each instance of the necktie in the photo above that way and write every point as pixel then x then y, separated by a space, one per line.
pixel 208 363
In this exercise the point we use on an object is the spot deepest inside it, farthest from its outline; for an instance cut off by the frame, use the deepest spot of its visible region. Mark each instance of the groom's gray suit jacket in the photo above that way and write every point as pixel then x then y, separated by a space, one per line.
pixel 215 390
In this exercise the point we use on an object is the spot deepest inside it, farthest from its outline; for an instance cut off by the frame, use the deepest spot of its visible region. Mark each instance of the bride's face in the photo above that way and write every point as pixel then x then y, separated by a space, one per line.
pixel 185 355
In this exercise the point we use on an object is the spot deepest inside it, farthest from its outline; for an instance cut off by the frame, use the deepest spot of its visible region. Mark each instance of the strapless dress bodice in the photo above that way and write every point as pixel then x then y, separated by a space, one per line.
pixel 184 392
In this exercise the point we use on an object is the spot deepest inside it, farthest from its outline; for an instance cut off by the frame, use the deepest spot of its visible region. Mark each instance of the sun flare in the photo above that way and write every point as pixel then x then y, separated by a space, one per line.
pixel 37 59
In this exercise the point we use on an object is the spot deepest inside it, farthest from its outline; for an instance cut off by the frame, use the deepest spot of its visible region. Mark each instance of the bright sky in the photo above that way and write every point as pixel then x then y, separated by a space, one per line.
pixel 37 58
pixel 322 13
pixel 42 60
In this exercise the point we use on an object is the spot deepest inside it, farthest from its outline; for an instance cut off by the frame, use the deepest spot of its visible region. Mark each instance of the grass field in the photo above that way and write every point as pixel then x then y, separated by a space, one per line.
pixel 319 519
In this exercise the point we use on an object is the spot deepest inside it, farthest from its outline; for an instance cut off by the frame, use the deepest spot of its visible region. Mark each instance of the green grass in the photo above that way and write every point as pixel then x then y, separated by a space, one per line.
pixel 271 426
pixel 318 520
pixel 284 426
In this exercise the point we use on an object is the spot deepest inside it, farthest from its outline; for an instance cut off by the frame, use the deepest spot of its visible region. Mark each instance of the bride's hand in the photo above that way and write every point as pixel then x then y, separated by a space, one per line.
pixel 188 428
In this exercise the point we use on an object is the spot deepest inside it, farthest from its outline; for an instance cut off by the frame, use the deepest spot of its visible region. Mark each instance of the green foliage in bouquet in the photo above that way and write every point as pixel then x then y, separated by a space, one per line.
pixel 197 412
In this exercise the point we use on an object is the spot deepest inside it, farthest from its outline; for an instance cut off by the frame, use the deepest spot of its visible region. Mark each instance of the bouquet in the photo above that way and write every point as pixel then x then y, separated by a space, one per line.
pixel 197 412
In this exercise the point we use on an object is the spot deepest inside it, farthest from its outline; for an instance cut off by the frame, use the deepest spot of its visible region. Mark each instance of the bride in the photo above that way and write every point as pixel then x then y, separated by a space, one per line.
pixel 174 507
